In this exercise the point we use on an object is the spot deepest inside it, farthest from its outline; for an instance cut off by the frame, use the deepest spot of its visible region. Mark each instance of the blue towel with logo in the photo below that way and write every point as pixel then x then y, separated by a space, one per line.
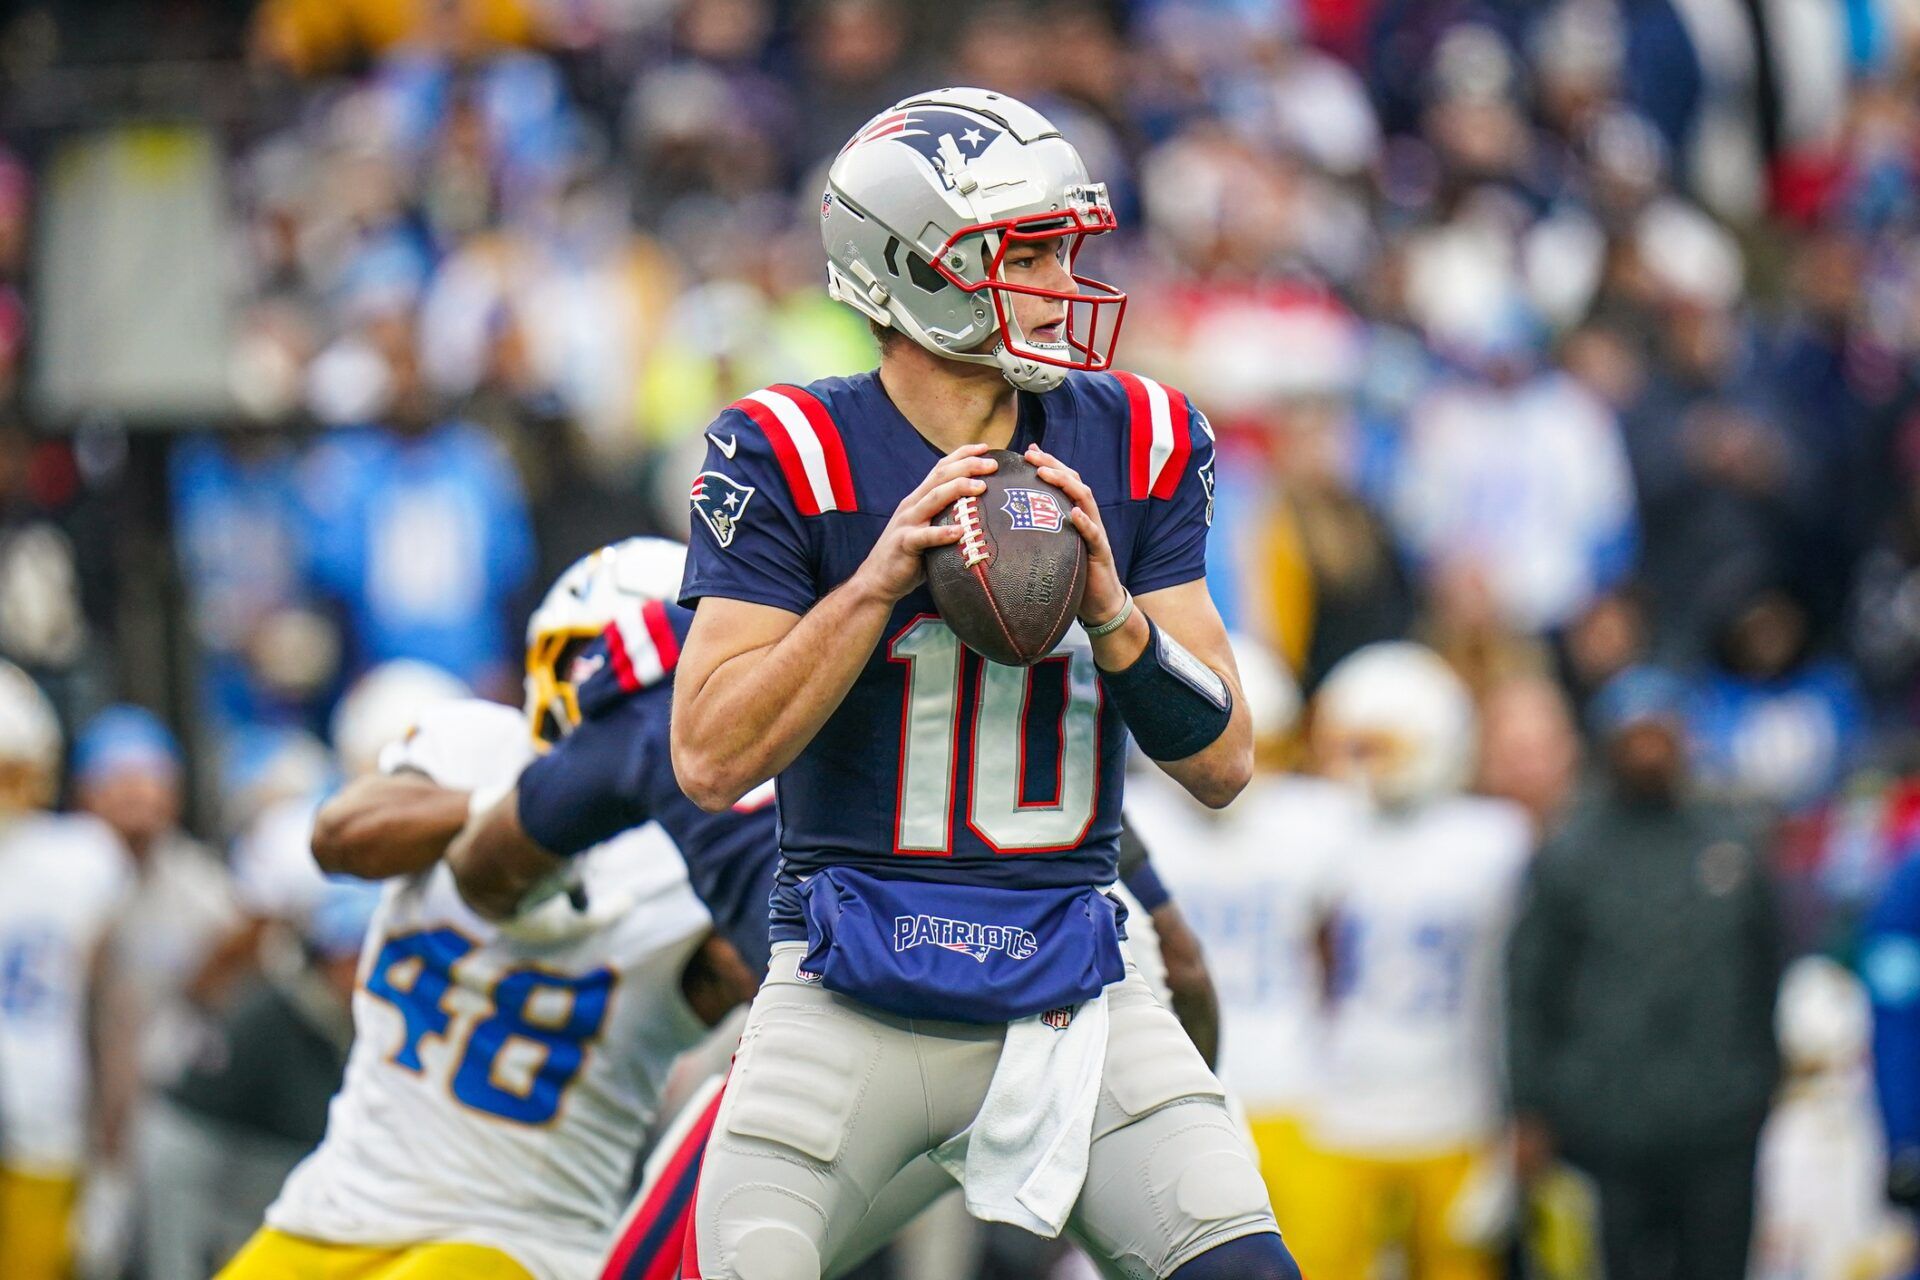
pixel 959 953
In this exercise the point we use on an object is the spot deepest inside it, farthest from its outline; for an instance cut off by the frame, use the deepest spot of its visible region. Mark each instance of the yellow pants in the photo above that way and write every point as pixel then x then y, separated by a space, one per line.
pixel 1286 1164
pixel 274 1255
pixel 1350 1209
pixel 36 1226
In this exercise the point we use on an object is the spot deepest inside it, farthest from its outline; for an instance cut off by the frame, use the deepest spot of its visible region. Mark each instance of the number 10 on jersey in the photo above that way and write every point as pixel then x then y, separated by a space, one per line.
pixel 931 739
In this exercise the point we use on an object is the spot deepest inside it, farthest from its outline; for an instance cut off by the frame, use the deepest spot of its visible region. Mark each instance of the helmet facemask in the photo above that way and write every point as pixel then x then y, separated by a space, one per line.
pixel 1094 309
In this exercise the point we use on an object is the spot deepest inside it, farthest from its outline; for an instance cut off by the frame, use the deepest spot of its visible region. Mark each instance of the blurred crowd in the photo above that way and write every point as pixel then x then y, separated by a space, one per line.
pixel 1577 340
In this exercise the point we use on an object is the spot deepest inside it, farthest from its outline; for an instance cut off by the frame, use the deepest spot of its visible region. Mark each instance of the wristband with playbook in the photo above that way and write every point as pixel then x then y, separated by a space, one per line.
pixel 1174 703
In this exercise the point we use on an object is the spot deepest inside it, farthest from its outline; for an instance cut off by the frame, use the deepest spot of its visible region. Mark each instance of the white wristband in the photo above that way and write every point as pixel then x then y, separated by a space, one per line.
pixel 1114 623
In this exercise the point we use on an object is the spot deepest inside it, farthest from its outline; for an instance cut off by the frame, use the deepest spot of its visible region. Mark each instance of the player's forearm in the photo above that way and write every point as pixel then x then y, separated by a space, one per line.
pixel 1218 772
pixel 382 826
pixel 758 710
pixel 495 863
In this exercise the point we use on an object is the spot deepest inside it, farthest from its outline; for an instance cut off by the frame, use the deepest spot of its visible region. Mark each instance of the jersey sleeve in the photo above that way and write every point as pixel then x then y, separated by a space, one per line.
pixel 1137 870
pixel 594 784
pixel 1170 466
pixel 749 541
pixel 637 652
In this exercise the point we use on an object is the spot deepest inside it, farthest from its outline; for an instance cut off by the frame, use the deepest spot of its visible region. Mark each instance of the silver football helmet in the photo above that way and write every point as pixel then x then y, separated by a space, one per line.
pixel 920 209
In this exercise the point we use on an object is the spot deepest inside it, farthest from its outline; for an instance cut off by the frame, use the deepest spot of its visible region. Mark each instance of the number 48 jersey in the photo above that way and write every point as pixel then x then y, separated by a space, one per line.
pixel 939 765
pixel 497 1090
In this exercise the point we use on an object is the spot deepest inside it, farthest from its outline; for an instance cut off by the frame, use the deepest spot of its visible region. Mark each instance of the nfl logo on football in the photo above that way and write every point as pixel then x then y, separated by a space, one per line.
pixel 1034 509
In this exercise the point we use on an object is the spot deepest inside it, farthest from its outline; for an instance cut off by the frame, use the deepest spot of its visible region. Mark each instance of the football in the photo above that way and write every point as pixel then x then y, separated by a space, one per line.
pixel 1011 586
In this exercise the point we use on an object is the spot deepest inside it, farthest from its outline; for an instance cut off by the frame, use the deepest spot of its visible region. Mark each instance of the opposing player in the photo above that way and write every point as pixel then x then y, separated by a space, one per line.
pixel 1409 1124
pixel 1255 879
pixel 946 974
pixel 502 1077
pixel 65 1060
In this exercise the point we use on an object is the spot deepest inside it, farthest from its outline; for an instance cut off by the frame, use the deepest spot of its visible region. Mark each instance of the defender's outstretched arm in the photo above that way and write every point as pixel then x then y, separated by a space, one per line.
pixel 387 825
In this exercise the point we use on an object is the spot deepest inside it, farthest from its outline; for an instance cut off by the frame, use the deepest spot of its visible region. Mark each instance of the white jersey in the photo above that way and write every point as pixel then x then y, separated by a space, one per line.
pixel 66 878
pixel 498 1091
pixel 1424 906
pixel 1253 882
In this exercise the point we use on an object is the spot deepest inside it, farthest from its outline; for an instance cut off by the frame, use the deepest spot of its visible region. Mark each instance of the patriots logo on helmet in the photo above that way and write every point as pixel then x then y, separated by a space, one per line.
pixel 1034 509
pixel 941 134
pixel 720 500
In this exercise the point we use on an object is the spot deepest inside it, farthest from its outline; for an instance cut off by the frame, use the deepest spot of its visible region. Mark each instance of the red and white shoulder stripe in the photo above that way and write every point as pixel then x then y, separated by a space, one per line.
pixel 807 444
pixel 1159 439
pixel 641 645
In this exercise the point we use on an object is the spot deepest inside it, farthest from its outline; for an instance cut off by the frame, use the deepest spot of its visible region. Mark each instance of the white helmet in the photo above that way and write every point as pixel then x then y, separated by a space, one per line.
pixel 30 742
pixel 383 706
pixel 1823 1018
pixel 1267 686
pixel 578 607
pixel 1395 718
pixel 920 209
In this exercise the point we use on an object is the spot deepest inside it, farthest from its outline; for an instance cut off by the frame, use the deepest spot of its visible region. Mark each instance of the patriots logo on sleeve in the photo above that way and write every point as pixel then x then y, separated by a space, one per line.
pixel 720 501
pixel 1206 482
pixel 1034 509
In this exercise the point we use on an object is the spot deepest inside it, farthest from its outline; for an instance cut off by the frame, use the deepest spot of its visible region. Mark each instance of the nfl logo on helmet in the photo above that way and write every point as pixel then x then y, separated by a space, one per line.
pixel 1034 509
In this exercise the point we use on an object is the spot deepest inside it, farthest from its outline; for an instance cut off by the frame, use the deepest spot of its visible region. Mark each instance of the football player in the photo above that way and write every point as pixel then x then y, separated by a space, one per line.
pixel 609 771
pixel 1408 1127
pixel 502 1076
pixel 947 976
pixel 66 1063
pixel 1255 879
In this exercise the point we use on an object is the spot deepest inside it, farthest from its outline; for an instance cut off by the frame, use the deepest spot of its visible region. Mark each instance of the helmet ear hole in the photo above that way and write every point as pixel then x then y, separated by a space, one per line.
pixel 923 274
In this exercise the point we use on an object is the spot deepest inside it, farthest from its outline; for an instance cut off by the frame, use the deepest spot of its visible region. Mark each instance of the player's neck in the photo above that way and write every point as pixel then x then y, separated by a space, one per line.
pixel 948 402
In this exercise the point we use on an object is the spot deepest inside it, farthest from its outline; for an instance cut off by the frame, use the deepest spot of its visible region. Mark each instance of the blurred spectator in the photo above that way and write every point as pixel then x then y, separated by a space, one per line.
pixel 53 562
pixel 65 1034
pixel 127 771
pixel 1770 721
pixel 1529 748
pixel 255 1100
pixel 1300 559
pixel 1406 1129
pixel 1516 476
pixel 1642 981
pixel 266 654
pixel 420 528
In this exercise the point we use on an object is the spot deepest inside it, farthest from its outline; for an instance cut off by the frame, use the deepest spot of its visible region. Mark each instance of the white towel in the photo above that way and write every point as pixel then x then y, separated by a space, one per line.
pixel 1024 1158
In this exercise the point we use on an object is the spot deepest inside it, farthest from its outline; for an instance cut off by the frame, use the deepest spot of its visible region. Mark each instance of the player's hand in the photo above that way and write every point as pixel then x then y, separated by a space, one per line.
pixel 893 567
pixel 1106 594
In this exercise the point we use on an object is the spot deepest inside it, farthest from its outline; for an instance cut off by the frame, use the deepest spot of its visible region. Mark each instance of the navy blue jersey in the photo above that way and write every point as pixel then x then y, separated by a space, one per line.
pixel 614 771
pixel 939 765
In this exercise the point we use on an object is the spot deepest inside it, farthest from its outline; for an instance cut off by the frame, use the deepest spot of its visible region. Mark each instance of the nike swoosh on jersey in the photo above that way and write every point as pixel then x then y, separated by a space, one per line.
pixel 726 446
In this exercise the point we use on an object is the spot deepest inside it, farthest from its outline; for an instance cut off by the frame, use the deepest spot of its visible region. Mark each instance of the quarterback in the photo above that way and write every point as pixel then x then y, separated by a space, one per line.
pixel 947 977
pixel 502 1075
